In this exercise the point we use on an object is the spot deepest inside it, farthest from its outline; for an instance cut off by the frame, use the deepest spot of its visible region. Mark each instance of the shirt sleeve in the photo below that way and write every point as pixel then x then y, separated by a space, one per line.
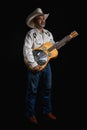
pixel 27 50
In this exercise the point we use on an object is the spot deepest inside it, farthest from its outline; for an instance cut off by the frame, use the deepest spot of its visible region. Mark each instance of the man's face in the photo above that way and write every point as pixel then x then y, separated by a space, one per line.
pixel 40 21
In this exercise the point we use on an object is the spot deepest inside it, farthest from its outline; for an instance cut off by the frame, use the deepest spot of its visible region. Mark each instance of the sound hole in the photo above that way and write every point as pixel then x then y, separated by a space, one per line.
pixel 40 57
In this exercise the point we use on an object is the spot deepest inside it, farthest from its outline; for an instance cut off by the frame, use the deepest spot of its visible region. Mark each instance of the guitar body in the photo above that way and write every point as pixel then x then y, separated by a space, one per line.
pixel 42 55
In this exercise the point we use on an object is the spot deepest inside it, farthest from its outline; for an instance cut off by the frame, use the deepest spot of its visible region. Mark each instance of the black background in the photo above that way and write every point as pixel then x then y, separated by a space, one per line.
pixel 68 94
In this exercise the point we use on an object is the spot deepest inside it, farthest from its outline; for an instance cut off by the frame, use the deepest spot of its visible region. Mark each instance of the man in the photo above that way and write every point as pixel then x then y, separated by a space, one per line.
pixel 34 39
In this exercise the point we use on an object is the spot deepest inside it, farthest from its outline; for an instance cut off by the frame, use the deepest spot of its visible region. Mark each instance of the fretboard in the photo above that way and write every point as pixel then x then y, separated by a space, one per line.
pixel 62 42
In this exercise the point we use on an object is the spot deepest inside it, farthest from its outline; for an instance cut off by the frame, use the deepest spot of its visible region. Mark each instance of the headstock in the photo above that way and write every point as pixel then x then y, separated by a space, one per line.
pixel 73 34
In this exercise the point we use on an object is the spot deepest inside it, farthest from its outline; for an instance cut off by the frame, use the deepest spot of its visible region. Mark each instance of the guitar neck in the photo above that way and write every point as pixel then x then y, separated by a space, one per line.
pixel 62 42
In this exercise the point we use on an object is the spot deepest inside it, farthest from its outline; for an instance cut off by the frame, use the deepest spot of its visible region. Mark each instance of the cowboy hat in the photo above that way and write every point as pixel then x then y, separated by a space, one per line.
pixel 35 13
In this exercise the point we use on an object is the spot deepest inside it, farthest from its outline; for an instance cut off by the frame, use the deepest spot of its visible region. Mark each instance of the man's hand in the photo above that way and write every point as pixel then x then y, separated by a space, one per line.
pixel 37 68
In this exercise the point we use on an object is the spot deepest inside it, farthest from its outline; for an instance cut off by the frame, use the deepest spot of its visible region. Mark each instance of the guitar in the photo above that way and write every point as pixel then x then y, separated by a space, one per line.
pixel 47 51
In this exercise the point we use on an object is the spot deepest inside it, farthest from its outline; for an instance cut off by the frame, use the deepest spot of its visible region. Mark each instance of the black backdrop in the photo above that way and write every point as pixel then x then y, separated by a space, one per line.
pixel 68 86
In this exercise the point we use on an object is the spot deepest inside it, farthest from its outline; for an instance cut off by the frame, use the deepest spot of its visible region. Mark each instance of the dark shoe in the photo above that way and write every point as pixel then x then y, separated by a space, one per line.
pixel 51 116
pixel 33 120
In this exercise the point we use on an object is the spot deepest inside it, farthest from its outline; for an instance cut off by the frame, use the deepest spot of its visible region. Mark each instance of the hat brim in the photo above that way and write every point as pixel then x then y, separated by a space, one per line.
pixel 29 20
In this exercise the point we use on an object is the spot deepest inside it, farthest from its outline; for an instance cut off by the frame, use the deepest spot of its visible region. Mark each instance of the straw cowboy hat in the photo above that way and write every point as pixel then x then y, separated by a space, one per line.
pixel 35 13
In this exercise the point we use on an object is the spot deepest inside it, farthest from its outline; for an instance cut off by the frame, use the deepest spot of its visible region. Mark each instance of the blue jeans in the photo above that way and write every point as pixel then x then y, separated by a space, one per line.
pixel 45 77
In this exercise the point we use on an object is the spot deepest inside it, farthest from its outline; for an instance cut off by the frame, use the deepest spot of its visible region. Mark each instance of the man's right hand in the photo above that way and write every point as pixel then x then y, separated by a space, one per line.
pixel 37 68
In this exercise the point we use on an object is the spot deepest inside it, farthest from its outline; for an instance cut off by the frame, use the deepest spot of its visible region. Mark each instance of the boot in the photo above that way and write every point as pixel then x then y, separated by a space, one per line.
pixel 51 116
pixel 33 120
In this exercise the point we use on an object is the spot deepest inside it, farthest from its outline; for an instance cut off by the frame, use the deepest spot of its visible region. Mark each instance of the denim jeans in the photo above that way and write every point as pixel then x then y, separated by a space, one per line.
pixel 34 79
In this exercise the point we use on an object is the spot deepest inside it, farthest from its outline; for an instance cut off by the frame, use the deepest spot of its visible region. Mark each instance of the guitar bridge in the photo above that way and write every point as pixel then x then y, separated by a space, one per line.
pixel 44 49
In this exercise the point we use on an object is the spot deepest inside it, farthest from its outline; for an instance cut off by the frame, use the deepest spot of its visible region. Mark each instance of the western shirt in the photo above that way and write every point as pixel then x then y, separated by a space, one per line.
pixel 34 39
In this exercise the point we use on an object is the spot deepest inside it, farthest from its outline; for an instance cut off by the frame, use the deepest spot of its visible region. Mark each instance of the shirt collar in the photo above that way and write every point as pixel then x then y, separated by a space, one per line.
pixel 39 31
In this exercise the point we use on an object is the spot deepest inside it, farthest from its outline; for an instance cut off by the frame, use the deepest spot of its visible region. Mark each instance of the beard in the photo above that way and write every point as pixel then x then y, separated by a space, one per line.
pixel 42 25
